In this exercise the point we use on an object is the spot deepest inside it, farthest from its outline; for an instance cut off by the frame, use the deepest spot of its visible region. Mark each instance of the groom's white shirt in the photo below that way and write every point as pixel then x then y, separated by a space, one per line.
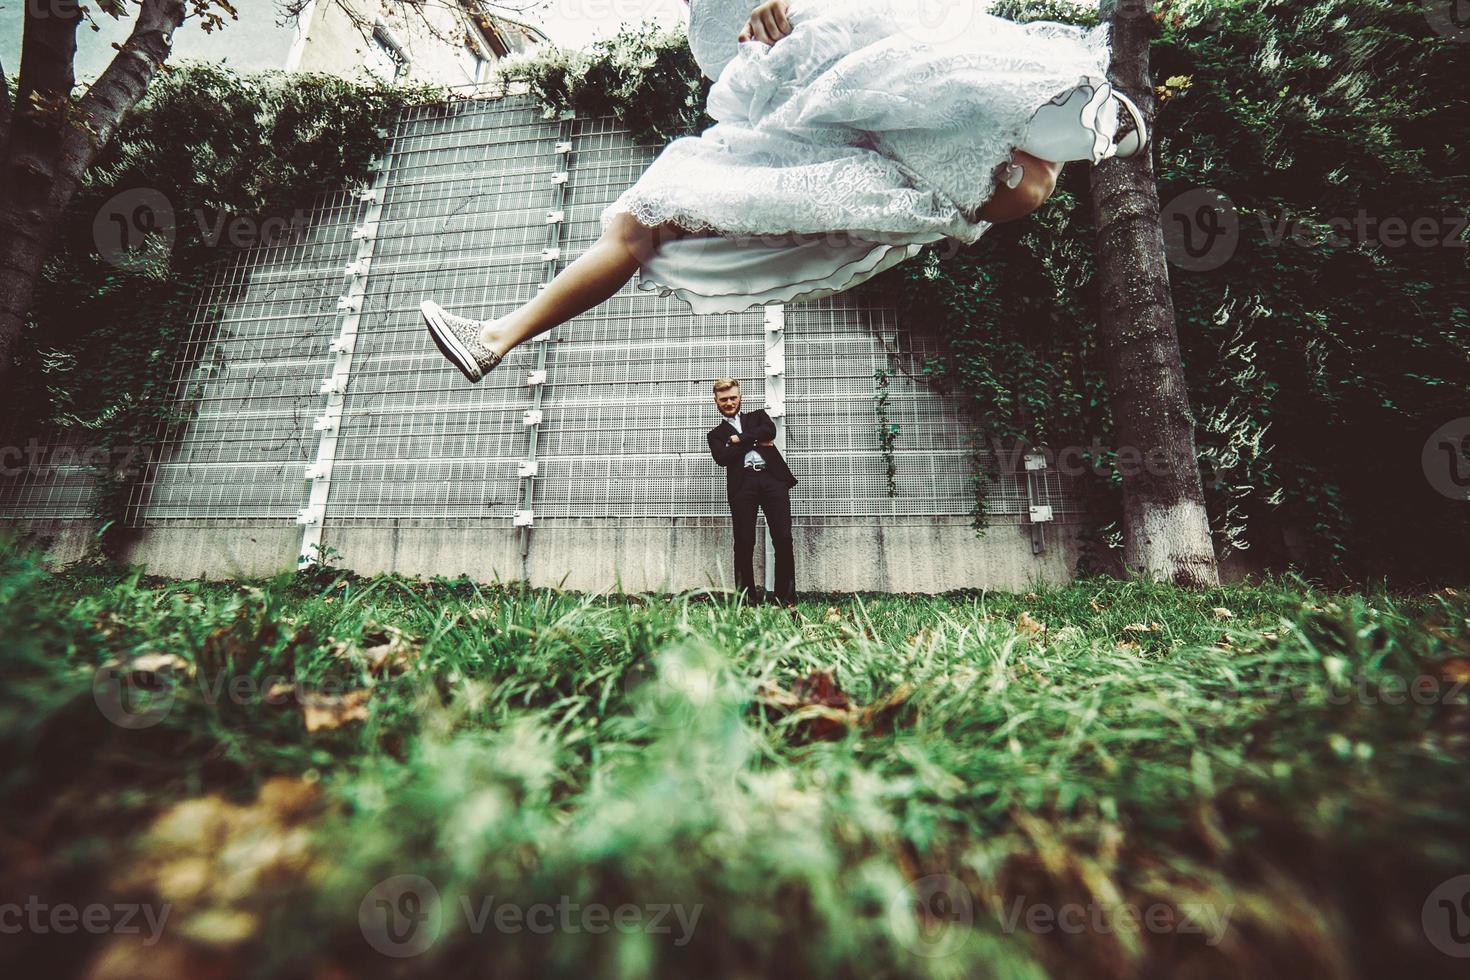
pixel 752 457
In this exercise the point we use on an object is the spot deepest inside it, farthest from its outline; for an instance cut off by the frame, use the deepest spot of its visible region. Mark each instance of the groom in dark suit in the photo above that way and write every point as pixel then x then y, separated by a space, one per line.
pixel 755 476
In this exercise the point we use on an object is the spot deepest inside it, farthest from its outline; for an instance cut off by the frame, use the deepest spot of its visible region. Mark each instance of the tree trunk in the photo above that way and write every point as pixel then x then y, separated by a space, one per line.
pixel 1166 532
pixel 51 139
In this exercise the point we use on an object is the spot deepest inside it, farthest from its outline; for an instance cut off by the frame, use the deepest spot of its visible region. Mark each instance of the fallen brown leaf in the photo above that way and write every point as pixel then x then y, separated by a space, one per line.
pixel 1452 670
pixel 219 865
pixel 384 649
pixel 822 710
pixel 146 671
pixel 332 711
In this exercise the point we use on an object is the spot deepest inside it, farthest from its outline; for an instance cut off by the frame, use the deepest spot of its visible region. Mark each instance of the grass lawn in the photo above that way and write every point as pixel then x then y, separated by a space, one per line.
pixel 326 775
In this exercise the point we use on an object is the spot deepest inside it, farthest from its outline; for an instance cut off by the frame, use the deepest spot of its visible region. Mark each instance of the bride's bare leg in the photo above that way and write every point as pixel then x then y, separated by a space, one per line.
pixel 596 274
pixel 1011 203
pixel 604 268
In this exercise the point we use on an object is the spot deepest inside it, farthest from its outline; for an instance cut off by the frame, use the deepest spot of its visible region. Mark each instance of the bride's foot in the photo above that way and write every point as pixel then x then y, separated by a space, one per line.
pixel 1022 184
pixel 493 336
pixel 460 340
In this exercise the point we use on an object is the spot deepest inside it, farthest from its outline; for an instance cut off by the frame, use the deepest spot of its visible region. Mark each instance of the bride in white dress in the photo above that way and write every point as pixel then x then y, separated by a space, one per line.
pixel 848 134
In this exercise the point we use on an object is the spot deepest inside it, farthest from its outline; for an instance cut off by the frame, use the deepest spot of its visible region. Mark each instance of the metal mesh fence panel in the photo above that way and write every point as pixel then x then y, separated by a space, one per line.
pixel 463 220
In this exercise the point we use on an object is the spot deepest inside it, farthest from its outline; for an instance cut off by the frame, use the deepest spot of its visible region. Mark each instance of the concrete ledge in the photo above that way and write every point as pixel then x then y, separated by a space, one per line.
pixel 215 552
pixel 595 556
pixel 62 542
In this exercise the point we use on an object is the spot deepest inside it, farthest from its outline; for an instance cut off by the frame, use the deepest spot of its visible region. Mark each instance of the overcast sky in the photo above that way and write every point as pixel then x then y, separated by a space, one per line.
pixel 573 23
pixel 254 41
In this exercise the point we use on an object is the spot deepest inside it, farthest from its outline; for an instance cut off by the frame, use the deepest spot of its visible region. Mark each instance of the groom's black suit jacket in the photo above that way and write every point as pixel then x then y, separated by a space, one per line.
pixel 755 427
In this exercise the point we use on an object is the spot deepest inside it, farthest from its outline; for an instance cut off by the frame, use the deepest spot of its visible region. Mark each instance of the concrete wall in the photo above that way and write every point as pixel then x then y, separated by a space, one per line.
pixel 595 556
pixel 698 553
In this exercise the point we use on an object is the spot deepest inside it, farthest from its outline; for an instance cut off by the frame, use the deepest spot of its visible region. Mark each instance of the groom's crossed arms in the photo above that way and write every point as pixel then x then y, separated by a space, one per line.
pixel 758 429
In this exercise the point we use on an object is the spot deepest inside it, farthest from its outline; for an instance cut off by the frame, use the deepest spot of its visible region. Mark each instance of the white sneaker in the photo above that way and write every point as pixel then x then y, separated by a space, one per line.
pixel 458 338
pixel 1132 142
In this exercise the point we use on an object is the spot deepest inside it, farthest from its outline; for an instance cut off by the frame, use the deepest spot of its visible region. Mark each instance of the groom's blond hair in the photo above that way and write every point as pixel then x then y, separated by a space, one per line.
pixel 725 384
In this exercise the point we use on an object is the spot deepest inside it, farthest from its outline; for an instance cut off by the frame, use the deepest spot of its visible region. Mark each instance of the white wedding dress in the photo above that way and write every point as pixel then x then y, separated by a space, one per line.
pixel 874 127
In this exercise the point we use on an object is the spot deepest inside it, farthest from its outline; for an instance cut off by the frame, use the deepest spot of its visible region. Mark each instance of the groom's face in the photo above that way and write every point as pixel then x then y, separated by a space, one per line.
pixel 728 401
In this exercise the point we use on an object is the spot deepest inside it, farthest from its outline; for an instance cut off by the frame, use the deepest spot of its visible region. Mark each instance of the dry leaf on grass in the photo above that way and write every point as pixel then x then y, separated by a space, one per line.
pixel 321 711
pixel 1045 681
pixel 384 649
pixel 331 711
pixel 1452 670
pixel 145 667
pixel 1026 623
pixel 822 710
pixel 925 637
pixel 1142 628
pixel 217 865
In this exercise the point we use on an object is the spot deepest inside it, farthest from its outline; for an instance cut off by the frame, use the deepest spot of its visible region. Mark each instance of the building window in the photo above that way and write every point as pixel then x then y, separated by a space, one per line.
pixel 386 58
pixel 476 63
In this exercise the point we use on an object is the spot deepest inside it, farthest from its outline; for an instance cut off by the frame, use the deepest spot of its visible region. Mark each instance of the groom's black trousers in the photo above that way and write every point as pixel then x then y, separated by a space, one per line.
pixel 759 489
